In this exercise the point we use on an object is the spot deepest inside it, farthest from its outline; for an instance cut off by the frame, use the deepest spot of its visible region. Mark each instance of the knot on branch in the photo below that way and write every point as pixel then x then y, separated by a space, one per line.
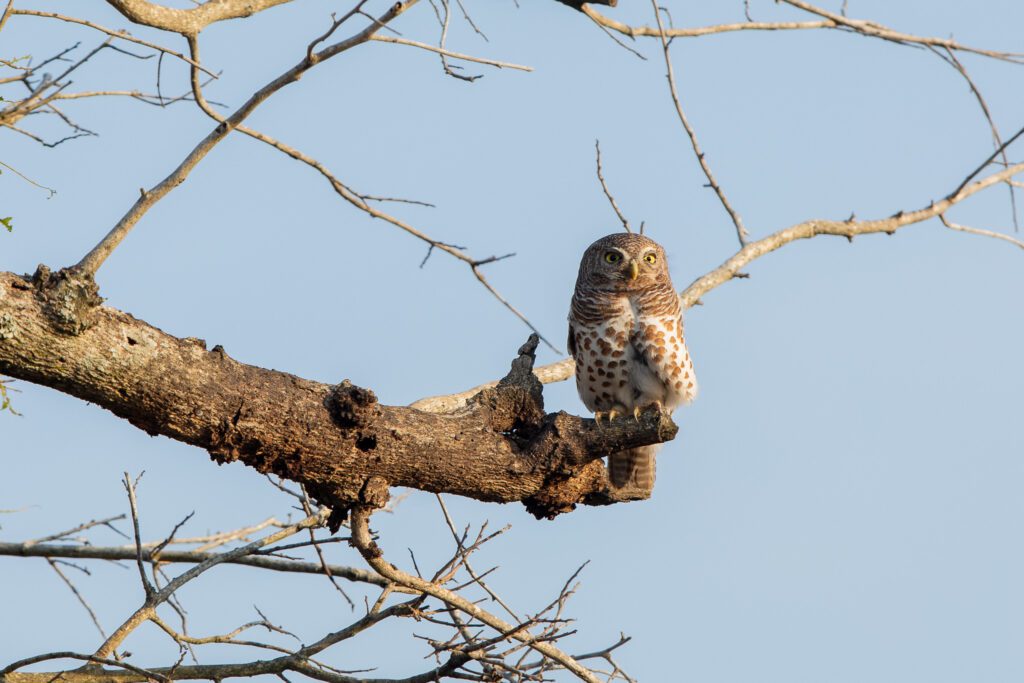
pixel 570 449
pixel 564 449
pixel 69 297
pixel 375 492
pixel 516 405
pixel 352 407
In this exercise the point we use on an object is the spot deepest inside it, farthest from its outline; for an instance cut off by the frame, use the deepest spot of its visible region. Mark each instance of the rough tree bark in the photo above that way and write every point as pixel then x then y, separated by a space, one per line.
pixel 337 440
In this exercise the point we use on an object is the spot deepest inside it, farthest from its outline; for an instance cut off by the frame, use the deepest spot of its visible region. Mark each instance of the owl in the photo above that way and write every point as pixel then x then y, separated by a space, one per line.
pixel 626 335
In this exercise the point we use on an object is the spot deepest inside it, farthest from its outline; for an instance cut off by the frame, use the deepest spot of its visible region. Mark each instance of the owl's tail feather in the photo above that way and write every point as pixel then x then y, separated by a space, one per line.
pixel 632 467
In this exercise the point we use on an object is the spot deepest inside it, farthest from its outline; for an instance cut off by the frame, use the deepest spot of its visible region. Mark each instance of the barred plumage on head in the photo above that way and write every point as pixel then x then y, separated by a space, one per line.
pixel 626 335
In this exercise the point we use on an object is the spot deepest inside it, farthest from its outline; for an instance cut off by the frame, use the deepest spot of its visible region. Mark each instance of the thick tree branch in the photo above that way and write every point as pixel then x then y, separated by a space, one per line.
pixel 189 22
pixel 333 439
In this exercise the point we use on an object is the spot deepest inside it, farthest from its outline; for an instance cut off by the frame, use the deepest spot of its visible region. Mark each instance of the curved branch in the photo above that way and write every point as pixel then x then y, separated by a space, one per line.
pixel 333 439
pixel 95 258
pixel 362 201
pixel 831 21
pixel 849 229
pixel 741 232
pixel 189 22
pixel 733 266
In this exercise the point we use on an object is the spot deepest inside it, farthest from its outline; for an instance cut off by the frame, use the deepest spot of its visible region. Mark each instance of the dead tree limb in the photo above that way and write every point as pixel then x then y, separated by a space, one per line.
pixel 333 439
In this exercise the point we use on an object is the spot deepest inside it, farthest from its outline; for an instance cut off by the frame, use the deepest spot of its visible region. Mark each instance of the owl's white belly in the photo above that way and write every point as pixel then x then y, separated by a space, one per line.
pixel 628 363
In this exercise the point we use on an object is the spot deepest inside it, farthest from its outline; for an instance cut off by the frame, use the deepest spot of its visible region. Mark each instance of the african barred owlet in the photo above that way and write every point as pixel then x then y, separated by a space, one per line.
pixel 626 334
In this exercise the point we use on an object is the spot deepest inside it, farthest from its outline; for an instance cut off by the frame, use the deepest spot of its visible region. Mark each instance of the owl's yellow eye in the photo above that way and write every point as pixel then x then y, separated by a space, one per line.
pixel 612 257
pixel 650 258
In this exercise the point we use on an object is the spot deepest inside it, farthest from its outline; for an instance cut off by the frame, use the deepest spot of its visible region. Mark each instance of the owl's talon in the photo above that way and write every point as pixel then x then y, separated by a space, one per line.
pixel 657 405
pixel 612 414
pixel 636 413
pixel 597 418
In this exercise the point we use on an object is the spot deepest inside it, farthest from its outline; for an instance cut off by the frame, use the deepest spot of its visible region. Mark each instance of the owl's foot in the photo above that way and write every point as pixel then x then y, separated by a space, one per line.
pixel 638 410
pixel 610 415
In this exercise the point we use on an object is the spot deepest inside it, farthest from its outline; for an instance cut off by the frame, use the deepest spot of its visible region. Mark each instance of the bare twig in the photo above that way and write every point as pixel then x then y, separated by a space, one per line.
pixel 78 596
pixel 607 193
pixel 361 201
pixel 307 505
pixel 741 232
pixel 95 258
pixel 733 267
pixel 155 598
pixel 873 29
pixel 448 53
pixel 870 29
pixel 90 552
pixel 81 527
pixel 123 35
pixel 978 231
pixel 129 486
pixel 371 553
pixel 27 179
pixel 462 551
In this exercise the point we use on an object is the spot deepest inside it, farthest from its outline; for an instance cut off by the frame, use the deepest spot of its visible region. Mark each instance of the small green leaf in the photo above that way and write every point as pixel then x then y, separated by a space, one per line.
pixel 5 401
pixel 6 222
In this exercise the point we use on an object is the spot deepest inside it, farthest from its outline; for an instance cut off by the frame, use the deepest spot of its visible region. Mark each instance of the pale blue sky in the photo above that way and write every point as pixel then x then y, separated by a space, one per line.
pixel 843 503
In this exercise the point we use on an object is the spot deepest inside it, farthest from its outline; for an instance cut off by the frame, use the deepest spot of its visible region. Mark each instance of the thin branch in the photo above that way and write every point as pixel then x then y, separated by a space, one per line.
pixel 6 14
pixel 607 193
pixel 156 598
pixel 978 231
pixel 123 35
pixel 950 58
pixel 741 232
pixel 515 311
pixel 364 542
pixel 308 507
pixel 444 22
pixel 733 267
pixel 361 201
pixel 130 487
pixel 841 23
pixel 81 527
pixel 870 28
pixel 78 596
pixel 27 179
pixel 90 552
pixel 992 157
pixel 462 550
pixel 849 229
pixel 449 53
pixel 95 258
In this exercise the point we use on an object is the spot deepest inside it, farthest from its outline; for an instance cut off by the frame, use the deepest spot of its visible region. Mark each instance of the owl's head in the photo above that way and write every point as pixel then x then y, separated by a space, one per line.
pixel 623 262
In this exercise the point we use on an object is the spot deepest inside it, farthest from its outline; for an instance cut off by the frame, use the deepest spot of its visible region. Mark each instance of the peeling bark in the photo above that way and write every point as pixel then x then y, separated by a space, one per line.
pixel 338 440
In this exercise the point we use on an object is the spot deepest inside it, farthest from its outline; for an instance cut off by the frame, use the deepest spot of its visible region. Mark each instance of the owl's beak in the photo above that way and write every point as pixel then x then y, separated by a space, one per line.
pixel 634 270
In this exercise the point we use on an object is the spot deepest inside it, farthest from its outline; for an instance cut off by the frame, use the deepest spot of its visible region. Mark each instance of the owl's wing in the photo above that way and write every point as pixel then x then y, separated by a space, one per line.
pixel 571 343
